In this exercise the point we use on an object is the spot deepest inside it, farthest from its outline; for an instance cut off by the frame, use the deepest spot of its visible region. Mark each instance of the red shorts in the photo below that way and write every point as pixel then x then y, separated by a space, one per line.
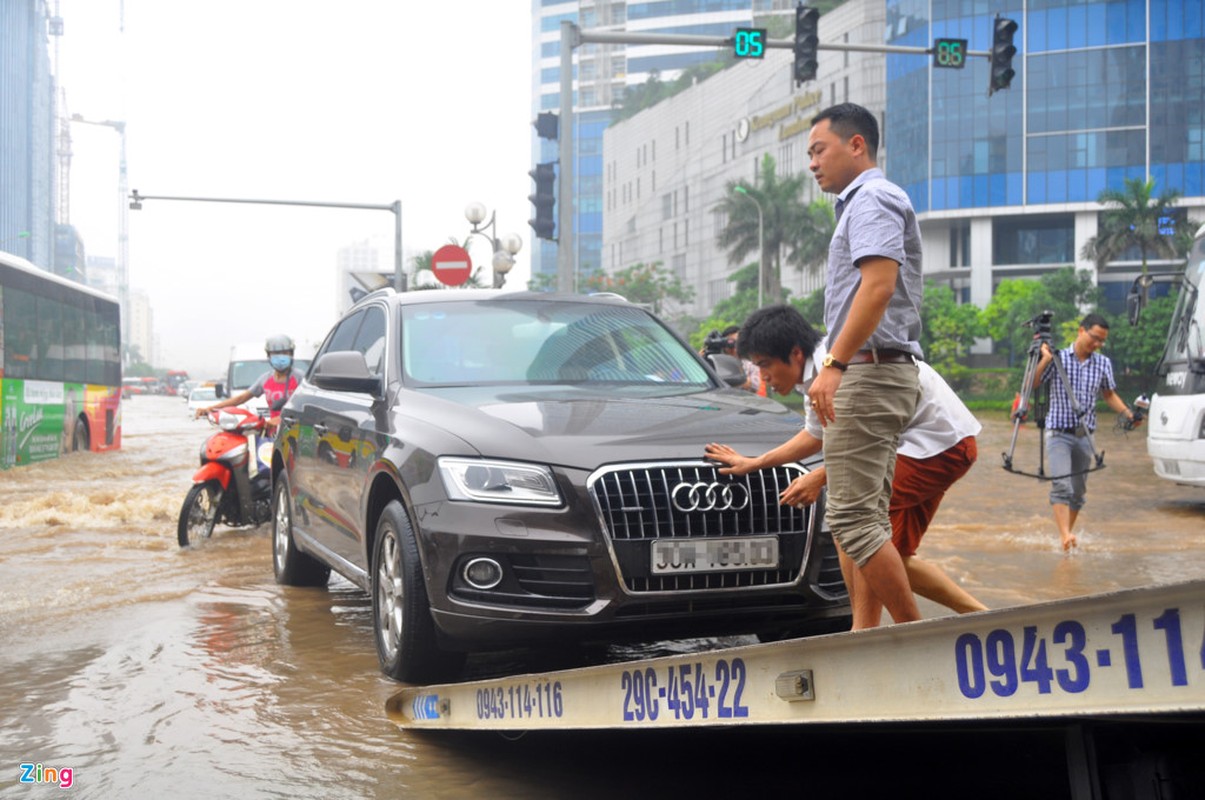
pixel 918 487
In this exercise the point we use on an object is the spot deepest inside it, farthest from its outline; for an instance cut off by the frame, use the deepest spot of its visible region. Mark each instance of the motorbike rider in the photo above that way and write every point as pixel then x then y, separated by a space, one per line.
pixel 277 385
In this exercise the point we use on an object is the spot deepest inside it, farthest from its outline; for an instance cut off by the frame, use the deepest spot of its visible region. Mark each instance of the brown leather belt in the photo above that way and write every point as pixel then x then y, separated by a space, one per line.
pixel 885 356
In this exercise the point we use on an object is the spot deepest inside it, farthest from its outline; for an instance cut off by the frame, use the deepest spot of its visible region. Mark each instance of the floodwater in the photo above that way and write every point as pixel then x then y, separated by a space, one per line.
pixel 152 671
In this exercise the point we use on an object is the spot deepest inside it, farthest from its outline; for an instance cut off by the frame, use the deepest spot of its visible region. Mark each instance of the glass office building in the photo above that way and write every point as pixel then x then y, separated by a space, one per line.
pixel 1007 185
pixel 27 143
pixel 601 74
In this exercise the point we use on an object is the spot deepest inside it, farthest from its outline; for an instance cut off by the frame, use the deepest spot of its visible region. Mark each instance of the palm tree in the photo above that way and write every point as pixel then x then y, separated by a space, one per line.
pixel 1131 219
pixel 784 218
pixel 810 249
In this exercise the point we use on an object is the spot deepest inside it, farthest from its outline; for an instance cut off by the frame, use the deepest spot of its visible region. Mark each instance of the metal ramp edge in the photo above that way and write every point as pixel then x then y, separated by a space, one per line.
pixel 1132 652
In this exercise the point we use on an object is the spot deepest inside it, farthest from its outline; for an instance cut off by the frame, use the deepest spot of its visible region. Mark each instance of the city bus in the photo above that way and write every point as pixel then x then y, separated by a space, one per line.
pixel 174 379
pixel 1176 423
pixel 60 366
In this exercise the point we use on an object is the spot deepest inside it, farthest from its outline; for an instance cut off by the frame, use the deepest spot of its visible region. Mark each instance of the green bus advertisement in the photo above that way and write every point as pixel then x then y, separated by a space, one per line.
pixel 60 366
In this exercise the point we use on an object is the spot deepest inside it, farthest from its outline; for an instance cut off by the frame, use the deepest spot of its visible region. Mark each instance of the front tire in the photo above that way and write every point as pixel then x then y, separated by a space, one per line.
pixel 291 566
pixel 401 612
pixel 199 513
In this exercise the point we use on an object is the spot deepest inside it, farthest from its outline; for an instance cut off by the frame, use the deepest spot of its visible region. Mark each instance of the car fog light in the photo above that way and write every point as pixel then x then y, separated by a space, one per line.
pixel 483 573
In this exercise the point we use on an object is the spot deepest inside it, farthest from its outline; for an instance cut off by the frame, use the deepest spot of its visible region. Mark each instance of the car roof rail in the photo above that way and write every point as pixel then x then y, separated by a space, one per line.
pixel 384 291
pixel 612 295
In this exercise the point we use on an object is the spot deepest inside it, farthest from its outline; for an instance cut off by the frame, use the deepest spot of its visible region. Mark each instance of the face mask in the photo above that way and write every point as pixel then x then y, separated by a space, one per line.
pixel 280 363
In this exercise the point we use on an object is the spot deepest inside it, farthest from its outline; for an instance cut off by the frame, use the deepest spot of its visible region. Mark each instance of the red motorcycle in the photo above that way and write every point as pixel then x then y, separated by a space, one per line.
pixel 234 484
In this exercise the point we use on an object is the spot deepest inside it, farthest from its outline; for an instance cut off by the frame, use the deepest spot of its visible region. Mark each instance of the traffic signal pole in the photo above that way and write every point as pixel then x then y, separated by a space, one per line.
pixel 399 274
pixel 566 252
pixel 572 37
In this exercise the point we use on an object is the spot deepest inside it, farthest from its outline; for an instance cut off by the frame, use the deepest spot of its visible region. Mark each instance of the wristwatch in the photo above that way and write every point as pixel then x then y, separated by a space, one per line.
pixel 829 361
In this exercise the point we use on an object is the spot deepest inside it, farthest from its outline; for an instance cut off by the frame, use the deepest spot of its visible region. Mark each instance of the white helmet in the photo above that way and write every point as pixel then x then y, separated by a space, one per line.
pixel 278 344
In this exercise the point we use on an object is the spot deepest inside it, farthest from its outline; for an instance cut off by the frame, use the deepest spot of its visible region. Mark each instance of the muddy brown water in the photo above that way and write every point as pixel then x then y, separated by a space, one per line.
pixel 152 671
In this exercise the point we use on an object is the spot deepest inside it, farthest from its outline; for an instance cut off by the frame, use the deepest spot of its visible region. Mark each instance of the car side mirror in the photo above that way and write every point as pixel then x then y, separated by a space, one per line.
pixel 344 371
pixel 219 390
pixel 729 368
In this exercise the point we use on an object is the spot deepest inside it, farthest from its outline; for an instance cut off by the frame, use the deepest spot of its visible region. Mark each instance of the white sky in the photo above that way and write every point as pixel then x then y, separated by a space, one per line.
pixel 357 101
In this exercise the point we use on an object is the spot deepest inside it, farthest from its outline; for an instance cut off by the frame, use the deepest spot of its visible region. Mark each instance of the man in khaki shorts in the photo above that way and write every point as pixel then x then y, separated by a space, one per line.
pixel 867 388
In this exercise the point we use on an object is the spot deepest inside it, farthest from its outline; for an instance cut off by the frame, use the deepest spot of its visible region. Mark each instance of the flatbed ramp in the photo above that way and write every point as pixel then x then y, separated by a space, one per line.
pixel 1137 653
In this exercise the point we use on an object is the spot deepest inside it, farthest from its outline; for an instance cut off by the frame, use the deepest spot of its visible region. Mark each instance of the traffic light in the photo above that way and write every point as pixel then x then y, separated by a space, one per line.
pixel 807 40
pixel 546 125
pixel 1003 51
pixel 544 200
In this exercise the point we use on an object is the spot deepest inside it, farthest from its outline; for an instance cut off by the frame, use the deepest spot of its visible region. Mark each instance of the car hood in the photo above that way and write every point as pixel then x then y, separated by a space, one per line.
pixel 585 428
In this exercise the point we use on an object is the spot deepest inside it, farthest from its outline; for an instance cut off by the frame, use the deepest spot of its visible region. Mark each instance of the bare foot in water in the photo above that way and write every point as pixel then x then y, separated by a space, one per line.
pixel 1069 543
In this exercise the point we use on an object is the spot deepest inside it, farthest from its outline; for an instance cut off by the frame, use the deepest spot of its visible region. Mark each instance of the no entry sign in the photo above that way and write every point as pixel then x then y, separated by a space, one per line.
pixel 451 265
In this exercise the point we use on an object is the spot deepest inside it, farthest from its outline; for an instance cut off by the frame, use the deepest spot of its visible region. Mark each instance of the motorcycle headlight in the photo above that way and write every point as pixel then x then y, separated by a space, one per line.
pixel 228 421
pixel 485 481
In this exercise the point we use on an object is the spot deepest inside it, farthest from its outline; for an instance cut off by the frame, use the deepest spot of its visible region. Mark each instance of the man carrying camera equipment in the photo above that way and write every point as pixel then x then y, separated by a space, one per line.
pixel 725 343
pixel 1069 446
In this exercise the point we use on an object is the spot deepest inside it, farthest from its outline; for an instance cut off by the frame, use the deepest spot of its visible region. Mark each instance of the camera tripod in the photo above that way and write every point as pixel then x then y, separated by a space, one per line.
pixel 1041 405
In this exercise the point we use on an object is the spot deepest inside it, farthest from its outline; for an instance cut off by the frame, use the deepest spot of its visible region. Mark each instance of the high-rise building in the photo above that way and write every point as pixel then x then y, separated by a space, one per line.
pixel 27 124
pixel 602 74
pixel 667 169
pixel 142 327
pixel 102 273
pixel 1007 185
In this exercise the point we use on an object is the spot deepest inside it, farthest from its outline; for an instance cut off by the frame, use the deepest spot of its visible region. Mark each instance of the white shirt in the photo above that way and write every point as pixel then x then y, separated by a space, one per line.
pixel 940 422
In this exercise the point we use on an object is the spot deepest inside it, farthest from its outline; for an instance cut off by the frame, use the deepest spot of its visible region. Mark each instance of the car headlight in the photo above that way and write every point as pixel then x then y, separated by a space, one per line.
pixel 483 481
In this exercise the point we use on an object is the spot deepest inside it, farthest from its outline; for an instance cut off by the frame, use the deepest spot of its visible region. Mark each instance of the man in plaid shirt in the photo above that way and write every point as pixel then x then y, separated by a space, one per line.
pixel 1069 446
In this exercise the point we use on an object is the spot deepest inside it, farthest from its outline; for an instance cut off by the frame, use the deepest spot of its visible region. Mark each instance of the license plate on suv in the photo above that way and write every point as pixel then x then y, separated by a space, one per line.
pixel 684 556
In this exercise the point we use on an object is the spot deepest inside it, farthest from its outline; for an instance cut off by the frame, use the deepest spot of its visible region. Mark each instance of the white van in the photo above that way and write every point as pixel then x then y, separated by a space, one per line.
pixel 248 361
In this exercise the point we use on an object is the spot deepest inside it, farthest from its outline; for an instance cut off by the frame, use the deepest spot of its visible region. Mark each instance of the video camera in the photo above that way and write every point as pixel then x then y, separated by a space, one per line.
pixel 1141 405
pixel 715 343
pixel 1042 329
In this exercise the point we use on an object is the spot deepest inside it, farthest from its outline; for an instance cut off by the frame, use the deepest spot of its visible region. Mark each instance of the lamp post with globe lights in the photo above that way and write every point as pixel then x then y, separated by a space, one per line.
pixel 505 248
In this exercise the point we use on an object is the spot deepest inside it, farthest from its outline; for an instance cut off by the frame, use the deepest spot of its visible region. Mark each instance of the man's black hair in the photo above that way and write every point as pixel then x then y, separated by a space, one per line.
pixel 846 119
pixel 731 329
pixel 775 331
pixel 1094 320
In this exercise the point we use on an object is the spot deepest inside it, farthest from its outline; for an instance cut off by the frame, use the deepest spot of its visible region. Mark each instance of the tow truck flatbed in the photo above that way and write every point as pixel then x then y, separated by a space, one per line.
pixel 1137 653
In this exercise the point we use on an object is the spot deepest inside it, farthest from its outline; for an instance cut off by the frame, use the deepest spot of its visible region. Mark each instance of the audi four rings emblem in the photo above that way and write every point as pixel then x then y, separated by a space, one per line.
pixel 709 496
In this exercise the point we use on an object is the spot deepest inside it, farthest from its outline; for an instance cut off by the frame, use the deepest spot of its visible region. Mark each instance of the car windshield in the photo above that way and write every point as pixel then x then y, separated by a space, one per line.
pixel 203 393
pixel 245 373
pixel 542 342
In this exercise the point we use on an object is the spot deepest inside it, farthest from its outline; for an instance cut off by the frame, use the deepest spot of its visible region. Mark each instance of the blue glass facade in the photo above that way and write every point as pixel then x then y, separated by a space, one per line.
pixel 655 16
pixel 27 224
pixel 1105 90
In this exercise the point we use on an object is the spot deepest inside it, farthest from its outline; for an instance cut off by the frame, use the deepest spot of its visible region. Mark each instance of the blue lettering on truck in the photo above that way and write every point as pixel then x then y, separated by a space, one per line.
pixel 1063 659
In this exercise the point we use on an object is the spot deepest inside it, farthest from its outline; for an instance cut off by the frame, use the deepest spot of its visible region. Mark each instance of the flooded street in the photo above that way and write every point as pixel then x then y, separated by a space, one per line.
pixel 152 671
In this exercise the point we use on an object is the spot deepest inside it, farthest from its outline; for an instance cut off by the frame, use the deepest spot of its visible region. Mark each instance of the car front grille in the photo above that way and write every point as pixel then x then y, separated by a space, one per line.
pixel 636 505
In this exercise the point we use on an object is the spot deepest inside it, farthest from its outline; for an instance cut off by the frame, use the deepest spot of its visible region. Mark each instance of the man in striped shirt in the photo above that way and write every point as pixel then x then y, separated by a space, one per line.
pixel 1069 447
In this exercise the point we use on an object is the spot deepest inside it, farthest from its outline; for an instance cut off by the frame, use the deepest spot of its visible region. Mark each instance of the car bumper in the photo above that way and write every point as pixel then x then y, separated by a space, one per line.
pixel 562 581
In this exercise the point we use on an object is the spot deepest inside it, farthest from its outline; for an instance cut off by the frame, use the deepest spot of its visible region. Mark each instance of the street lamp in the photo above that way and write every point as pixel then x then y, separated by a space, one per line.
pixel 123 221
pixel 504 248
pixel 399 276
pixel 761 242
